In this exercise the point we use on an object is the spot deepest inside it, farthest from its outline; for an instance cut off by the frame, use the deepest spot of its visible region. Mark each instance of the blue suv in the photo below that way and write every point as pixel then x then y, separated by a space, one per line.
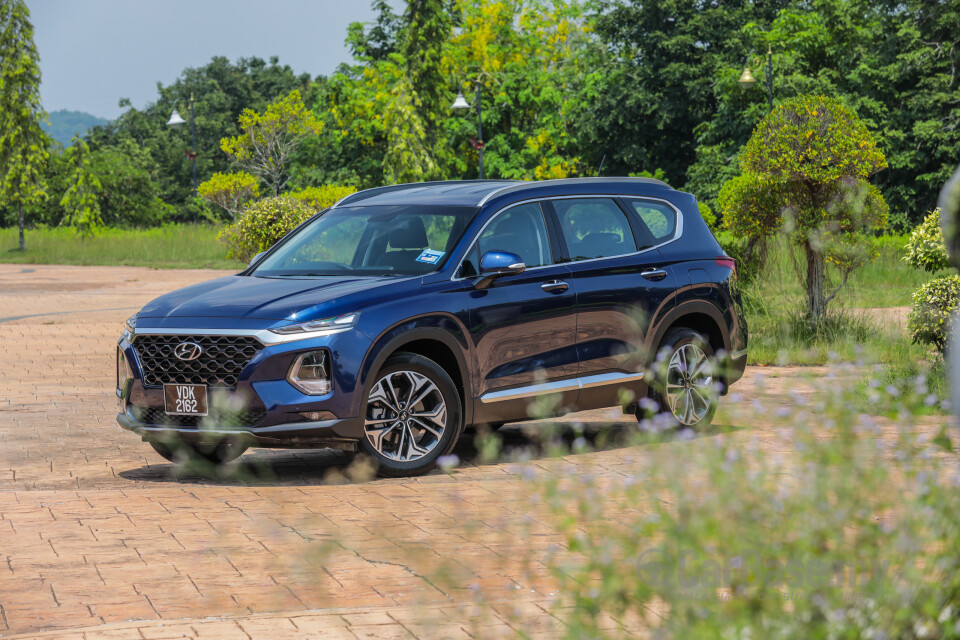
pixel 402 315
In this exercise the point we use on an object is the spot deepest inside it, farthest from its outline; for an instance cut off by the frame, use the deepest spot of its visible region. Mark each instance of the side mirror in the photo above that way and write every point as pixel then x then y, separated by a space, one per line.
pixel 494 264
pixel 255 258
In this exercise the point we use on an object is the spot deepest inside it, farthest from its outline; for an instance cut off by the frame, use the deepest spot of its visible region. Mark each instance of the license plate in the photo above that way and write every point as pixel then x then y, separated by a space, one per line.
pixel 185 399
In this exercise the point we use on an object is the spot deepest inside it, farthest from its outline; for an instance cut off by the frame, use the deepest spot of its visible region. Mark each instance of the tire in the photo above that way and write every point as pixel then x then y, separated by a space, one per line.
pixel 682 390
pixel 412 416
pixel 217 454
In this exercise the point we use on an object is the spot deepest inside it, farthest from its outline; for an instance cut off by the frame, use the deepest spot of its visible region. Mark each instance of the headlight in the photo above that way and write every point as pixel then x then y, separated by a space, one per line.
pixel 132 322
pixel 322 327
pixel 310 373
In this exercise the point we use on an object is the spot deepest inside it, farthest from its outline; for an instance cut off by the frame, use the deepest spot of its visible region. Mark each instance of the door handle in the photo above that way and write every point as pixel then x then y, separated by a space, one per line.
pixel 555 285
pixel 654 274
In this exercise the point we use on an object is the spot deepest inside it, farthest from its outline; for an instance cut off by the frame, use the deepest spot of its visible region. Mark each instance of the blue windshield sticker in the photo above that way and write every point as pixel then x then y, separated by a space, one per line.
pixel 430 256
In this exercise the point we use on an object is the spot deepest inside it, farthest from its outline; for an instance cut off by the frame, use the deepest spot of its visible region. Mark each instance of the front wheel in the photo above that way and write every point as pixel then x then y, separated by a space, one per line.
pixel 412 416
pixel 685 378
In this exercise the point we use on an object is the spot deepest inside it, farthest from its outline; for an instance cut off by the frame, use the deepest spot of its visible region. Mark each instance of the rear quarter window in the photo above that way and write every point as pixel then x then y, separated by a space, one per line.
pixel 659 218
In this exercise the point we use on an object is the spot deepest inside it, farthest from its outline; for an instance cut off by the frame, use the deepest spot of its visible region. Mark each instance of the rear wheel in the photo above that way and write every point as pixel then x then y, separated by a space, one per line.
pixel 412 416
pixel 214 453
pixel 685 379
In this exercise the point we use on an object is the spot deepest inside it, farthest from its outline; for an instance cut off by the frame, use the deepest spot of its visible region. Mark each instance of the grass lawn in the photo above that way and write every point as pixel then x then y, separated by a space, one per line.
pixel 775 303
pixel 172 247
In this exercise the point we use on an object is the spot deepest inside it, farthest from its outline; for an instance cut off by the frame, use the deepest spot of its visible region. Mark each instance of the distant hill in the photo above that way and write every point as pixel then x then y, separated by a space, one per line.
pixel 66 124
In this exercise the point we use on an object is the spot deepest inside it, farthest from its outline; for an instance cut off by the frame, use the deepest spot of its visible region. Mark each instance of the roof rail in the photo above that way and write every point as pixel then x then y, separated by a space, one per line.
pixel 376 191
pixel 511 187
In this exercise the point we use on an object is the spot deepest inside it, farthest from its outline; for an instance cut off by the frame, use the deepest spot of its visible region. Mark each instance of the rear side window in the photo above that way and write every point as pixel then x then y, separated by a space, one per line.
pixel 594 228
pixel 659 218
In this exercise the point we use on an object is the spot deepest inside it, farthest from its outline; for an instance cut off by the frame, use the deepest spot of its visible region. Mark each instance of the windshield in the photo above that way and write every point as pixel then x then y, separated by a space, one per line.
pixel 371 241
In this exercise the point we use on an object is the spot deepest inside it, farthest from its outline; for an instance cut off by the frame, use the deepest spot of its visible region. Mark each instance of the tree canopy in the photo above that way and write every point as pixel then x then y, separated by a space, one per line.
pixel 805 171
pixel 641 87
pixel 23 145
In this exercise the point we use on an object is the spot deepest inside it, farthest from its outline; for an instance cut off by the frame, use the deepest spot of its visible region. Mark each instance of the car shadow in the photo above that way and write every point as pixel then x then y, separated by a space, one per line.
pixel 519 442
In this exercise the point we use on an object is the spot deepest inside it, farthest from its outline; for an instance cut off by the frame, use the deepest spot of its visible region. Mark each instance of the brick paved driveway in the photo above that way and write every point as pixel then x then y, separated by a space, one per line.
pixel 99 537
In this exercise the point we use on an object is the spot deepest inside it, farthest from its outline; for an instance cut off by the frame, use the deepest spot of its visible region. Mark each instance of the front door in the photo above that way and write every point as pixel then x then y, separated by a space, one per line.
pixel 523 326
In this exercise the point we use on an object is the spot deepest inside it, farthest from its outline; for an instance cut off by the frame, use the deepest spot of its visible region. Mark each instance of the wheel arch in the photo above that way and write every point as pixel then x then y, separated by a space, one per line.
pixel 440 338
pixel 702 317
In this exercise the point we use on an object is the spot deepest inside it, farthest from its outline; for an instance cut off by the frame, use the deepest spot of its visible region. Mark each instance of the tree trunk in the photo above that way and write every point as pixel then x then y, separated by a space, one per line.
pixel 23 244
pixel 816 303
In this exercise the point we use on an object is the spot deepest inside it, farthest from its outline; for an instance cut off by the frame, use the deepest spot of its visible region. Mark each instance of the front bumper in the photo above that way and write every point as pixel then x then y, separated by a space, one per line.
pixel 275 412
pixel 333 434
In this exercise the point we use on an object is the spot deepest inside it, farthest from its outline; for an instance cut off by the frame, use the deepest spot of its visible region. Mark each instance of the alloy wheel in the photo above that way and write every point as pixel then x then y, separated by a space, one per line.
pixel 406 416
pixel 689 388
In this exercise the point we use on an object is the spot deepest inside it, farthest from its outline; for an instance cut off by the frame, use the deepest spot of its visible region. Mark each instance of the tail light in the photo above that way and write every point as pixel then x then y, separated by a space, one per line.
pixel 728 262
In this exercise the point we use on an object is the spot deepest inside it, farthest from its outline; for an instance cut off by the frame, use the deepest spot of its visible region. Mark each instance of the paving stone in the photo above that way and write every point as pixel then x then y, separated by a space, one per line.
pixel 101 538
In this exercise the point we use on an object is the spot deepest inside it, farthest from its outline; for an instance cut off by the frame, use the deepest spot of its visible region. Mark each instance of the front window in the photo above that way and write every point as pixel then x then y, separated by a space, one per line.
pixel 371 241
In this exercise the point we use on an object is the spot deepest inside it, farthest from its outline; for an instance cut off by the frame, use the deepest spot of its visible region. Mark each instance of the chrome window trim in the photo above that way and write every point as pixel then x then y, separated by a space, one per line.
pixel 265 336
pixel 572 384
pixel 678 231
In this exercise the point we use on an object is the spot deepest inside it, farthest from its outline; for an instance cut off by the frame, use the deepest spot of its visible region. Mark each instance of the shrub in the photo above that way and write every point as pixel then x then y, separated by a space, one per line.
pixel 934 304
pixel 925 248
pixel 262 224
pixel 322 197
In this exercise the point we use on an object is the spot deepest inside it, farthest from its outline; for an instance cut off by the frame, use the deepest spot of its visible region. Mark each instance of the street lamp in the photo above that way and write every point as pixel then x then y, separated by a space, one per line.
pixel 175 121
pixel 747 78
pixel 459 104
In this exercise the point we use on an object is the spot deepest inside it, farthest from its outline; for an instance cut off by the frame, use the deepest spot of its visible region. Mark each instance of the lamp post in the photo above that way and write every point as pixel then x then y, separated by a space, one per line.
pixel 747 78
pixel 174 121
pixel 461 103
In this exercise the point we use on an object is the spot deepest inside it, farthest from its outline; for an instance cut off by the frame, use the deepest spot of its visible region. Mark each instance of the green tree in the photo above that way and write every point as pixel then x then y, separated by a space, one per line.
pixel 230 191
pixel 269 140
pixel 22 141
pixel 80 202
pixel 527 54
pixel 893 63
pixel 222 89
pixel 427 29
pixel 652 82
pixel 805 171
pixel 129 194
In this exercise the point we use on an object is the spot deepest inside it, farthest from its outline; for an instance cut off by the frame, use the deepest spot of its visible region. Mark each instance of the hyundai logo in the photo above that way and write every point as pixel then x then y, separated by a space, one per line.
pixel 188 351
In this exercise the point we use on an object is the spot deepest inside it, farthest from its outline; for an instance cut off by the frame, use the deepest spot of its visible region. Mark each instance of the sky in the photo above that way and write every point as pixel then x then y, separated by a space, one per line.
pixel 95 52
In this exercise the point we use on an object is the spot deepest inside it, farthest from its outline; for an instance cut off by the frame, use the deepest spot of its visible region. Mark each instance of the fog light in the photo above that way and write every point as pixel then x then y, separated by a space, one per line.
pixel 317 416
pixel 310 374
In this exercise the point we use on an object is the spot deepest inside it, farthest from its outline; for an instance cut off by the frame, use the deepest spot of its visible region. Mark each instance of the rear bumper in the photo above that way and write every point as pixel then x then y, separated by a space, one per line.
pixel 738 363
pixel 336 434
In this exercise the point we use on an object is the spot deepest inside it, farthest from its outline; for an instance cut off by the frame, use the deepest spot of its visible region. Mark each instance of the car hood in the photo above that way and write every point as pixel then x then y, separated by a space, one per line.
pixel 261 297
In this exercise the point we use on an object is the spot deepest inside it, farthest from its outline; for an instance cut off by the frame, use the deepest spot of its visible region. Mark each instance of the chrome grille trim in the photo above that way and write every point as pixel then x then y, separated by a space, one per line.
pixel 219 365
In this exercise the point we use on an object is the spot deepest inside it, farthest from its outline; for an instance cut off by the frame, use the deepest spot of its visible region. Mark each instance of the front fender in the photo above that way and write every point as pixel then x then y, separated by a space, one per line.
pixel 441 327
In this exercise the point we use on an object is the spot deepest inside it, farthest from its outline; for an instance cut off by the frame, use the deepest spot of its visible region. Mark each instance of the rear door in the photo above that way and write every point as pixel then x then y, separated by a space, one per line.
pixel 621 284
pixel 523 326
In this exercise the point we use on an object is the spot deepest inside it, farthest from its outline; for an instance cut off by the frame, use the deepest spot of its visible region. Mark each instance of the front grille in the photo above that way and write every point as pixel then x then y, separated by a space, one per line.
pixel 224 420
pixel 221 360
